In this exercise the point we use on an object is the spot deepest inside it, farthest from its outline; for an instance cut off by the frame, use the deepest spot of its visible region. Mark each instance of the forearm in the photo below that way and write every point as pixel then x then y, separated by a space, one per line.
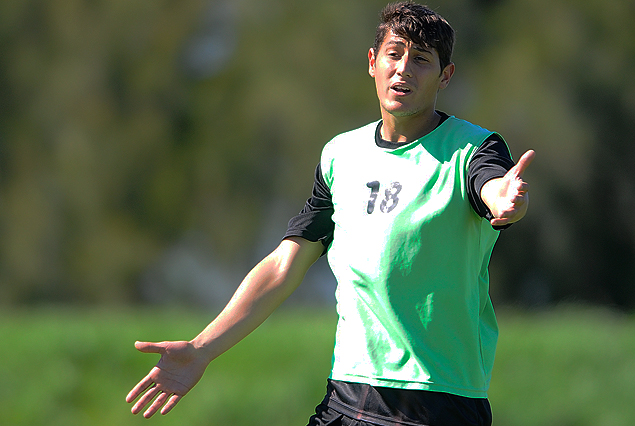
pixel 266 286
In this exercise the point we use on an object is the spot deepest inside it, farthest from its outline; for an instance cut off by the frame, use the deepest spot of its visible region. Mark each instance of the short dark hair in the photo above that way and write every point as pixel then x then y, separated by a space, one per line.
pixel 420 25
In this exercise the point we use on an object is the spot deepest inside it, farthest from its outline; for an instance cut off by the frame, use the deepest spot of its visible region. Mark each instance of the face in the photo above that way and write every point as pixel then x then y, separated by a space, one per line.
pixel 407 76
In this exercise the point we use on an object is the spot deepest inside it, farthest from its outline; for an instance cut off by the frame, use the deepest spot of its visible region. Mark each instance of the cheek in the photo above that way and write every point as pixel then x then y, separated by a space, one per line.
pixel 433 84
pixel 383 68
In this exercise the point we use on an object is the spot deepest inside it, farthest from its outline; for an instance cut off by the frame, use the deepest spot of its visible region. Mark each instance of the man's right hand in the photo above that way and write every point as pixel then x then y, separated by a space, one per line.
pixel 178 370
pixel 182 363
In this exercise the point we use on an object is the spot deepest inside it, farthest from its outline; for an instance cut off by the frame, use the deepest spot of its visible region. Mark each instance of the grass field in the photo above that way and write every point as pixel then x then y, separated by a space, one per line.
pixel 566 367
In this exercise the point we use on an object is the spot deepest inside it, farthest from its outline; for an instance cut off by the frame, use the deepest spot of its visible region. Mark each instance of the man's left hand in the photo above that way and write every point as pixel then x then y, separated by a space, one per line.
pixel 508 197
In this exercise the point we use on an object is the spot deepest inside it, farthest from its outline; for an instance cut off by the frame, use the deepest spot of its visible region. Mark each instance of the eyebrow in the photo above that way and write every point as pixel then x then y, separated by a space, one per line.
pixel 421 48
pixel 415 46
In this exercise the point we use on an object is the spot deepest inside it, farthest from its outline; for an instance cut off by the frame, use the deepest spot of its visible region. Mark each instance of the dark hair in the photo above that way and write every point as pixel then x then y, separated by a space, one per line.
pixel 418 24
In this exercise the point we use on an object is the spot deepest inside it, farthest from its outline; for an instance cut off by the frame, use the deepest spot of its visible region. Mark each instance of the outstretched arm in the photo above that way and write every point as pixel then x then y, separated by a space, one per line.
pixel 508 197
pixel 183 363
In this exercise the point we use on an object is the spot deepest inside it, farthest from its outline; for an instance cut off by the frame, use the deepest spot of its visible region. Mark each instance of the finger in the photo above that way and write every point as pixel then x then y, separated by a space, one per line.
pixel 520 195
pixel 141 387
pixel 145 400
pixel 522 188
pixel 158 403
pixel 174 399
pixel 149 348
pixel 513 214
pixel 499 221
pixel 524 162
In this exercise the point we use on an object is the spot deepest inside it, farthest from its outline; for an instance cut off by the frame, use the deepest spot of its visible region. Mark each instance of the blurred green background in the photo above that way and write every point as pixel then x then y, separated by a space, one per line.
pixel 152 152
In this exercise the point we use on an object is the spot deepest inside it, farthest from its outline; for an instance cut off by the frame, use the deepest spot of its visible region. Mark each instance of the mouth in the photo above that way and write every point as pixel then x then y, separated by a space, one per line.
pixel 400 89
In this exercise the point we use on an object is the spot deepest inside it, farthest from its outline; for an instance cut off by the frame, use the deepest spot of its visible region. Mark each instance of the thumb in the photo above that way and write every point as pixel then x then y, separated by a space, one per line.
pixel 523 162
pixel 150 348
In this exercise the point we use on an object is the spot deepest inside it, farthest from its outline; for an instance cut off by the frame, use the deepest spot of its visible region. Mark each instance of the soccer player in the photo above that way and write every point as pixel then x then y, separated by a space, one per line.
pixel 407 209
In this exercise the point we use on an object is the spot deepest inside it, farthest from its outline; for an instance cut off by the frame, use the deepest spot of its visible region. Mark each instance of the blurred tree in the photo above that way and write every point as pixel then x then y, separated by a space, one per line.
pixel 557 77
pixel 90 95
pixel 129 129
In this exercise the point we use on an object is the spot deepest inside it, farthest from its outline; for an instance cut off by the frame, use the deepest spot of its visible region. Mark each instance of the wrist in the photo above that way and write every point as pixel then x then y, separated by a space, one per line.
pixel 489 194
pixel 204 347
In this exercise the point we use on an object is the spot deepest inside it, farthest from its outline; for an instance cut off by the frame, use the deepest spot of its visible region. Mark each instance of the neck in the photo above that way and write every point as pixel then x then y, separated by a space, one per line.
pixel 408 129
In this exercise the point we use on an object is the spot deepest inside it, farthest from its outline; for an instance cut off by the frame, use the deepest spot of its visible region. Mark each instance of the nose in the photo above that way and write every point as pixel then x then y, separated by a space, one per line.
pixel 404 66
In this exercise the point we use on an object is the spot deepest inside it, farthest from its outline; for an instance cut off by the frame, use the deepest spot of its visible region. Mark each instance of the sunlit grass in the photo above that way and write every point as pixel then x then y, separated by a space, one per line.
pixel 75 366
pixel 565 367
pixel 69 367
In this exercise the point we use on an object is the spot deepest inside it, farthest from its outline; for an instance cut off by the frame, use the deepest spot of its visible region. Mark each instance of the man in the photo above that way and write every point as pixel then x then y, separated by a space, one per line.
pixel 408 209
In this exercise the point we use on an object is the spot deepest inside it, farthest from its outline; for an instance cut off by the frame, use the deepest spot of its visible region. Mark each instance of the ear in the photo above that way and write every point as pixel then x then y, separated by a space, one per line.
pixel 371 62
pixel 446 75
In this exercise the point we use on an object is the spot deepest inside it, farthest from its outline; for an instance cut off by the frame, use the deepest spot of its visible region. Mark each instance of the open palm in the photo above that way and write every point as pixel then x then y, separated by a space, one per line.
pixel 178 370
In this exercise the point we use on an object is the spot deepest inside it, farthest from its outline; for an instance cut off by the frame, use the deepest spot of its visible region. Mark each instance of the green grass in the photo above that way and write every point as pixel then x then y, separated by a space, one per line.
pixel 74 367
pixel 568 367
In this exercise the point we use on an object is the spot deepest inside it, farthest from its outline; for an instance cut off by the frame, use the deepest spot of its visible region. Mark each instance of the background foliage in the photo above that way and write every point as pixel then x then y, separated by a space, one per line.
pixel 148 149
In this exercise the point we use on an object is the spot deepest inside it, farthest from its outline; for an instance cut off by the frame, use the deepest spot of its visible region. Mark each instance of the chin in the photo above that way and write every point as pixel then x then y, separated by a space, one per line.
pixel 402 112
pixel 398 109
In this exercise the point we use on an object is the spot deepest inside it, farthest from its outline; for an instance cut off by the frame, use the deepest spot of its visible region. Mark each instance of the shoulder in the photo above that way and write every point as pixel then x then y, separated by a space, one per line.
pixel 360 135
pixel 494 146
pixel 463 129
pixel 347 145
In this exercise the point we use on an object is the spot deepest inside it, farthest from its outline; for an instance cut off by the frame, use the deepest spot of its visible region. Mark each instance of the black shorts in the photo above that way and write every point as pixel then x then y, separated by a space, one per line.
pixel 356 404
